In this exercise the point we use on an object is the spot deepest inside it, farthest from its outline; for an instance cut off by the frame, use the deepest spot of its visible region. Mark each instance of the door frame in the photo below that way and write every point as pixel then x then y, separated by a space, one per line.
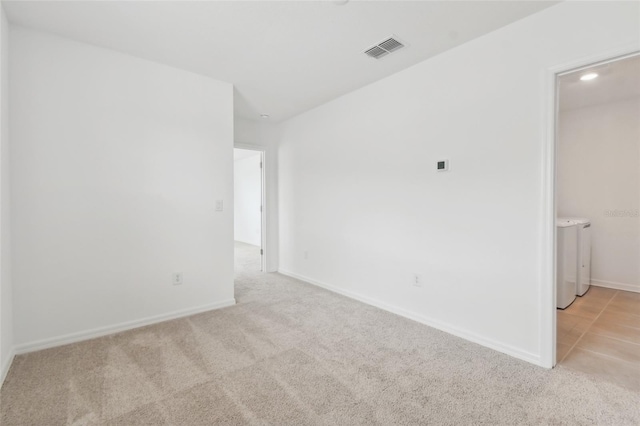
pixel 263 202
pixel 548 314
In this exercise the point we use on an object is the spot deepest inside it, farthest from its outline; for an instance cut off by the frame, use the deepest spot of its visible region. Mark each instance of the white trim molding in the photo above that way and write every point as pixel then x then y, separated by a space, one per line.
pixel 6 366
pixel 116 328
pixel 447 328
pixel 616 286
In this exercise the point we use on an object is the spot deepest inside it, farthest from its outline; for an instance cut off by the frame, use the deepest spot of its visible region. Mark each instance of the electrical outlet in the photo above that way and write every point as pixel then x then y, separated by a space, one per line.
pixel 177 278
pixel 306 255
pixel 417 280
pixel 219 205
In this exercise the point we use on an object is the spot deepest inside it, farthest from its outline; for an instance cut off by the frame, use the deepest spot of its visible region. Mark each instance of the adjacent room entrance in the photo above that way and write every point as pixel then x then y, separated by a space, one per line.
pixel 597 229
pixel 249 207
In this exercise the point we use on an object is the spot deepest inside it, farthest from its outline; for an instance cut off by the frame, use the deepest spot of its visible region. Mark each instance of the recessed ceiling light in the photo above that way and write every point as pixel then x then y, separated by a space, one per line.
pixel 589 76
pixel 264 116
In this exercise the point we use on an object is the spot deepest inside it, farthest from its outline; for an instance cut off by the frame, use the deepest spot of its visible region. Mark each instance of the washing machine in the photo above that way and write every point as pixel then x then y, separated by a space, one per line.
pixel 583 280
pixel 566 262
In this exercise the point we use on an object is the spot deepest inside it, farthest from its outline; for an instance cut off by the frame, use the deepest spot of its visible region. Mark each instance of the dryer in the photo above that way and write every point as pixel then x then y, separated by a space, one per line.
pixel 566 262
pixel 583 280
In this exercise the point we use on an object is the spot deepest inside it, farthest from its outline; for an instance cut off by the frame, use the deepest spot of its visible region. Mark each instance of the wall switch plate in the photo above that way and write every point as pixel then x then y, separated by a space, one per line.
pixel 417 280
pixel 442 165
pixel 305 254
pixel 219 205
pixel 177 278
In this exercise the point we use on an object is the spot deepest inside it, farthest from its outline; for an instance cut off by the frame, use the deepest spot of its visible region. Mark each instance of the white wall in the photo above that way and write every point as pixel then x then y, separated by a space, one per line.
pixel 599 172
pixel 359 192
pixel 6 309
pixel 265 135
pixel 117 164
pixel 247 197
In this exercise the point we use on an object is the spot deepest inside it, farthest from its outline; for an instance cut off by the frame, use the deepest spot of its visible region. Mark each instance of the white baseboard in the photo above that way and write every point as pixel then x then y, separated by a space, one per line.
pixel 616 286
pixel 447 328
pixel 6 366
pixel 103 331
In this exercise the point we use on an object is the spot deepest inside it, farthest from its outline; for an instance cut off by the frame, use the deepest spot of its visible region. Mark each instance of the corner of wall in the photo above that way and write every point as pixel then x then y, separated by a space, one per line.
pixel 6 366
pixel 7 349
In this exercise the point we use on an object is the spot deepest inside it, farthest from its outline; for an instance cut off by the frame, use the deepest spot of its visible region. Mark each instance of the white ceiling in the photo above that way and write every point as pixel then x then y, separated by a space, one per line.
pixel 284 57
pixel 617 81
pixel 241 154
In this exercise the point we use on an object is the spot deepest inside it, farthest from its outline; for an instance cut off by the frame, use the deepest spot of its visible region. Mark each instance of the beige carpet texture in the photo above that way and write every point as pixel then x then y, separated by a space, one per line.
pixel 290 353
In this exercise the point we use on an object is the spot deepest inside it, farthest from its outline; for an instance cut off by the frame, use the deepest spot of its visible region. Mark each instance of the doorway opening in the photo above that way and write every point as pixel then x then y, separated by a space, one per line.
pixel 249 211
pixel 596 226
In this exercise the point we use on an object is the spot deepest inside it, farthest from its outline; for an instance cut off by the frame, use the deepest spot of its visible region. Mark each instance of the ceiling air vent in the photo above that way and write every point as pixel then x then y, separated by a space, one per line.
pixel 384 48
pixel 376 52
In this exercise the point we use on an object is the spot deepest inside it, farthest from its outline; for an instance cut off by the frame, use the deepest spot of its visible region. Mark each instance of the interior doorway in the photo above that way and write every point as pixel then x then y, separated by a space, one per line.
pixel 596 189
pixel 249 214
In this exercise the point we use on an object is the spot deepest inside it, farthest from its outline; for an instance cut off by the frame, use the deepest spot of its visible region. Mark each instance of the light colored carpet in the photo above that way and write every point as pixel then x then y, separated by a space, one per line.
pixel 293 354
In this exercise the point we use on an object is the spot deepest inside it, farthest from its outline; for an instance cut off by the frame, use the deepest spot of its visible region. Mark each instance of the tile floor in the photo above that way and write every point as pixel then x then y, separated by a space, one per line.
pixel 599 334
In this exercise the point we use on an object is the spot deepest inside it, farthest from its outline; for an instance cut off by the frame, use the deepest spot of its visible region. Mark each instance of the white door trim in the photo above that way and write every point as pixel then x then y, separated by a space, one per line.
pixel 263 203
pixel 548 199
